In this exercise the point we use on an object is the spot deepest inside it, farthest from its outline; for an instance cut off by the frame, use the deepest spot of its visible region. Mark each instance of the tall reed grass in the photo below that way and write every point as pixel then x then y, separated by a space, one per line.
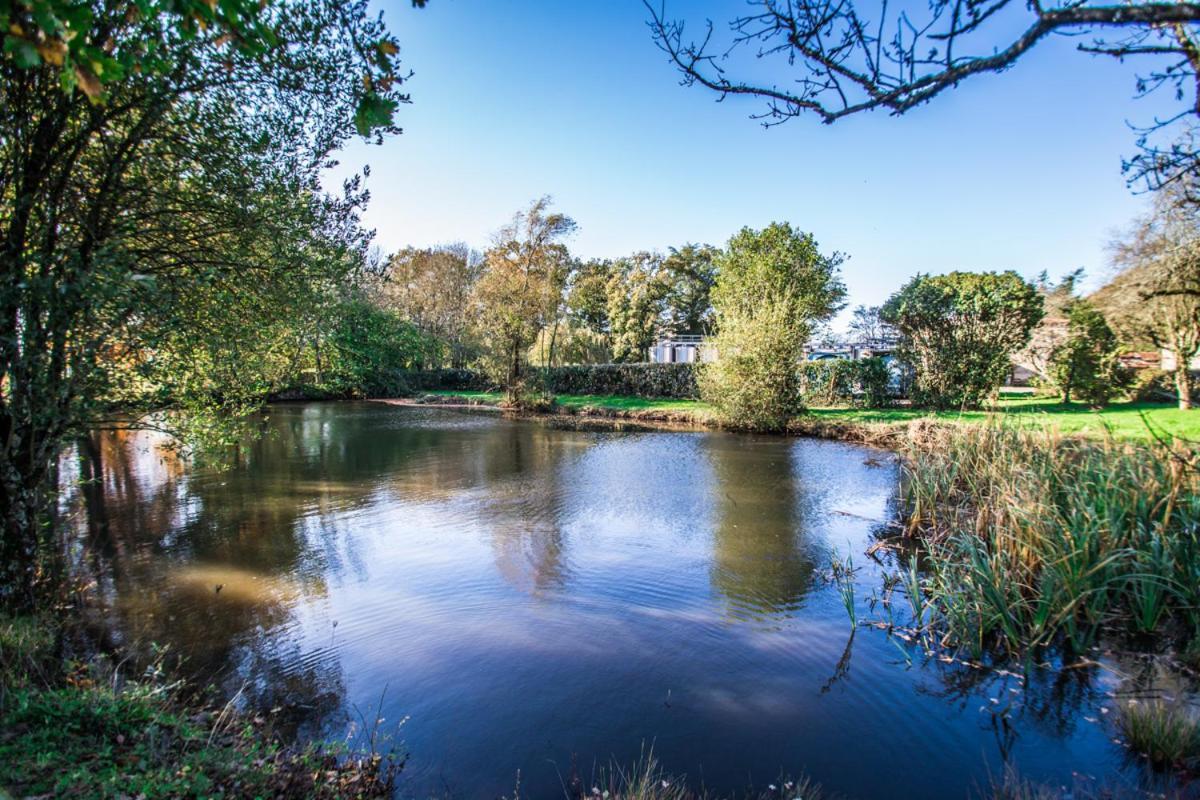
pixel 1034 539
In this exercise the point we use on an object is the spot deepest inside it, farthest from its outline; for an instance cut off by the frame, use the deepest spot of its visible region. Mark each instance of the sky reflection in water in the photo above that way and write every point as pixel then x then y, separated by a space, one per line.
pixel 527 596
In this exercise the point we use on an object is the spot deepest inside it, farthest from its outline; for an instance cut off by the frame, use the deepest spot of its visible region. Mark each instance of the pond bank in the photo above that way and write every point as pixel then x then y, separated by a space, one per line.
pixel 1140 421
pixel 75 721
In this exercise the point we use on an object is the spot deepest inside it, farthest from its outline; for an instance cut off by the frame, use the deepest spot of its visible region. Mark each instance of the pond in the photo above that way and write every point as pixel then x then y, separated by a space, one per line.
pixel 528 598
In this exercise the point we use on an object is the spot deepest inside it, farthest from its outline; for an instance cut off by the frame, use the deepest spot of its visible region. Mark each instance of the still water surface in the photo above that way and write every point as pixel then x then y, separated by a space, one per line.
pixel 530 598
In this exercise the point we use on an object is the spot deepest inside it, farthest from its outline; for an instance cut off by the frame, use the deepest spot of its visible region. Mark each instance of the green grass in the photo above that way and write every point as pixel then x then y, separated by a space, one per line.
pixel 77 729
pixel 1120 420
pixel 1168 736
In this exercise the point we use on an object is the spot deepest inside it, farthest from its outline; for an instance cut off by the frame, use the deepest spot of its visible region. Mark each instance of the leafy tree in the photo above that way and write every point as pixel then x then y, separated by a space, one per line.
pixel 574 344
pixel 520 291
pixel 587 295
pixel 1156 296
pixel 160 166
pixel 837 58
pixel 370 348
pixel 868 327
pixel 432 288
pixel 772 286
pixel 635 293
pixel 959 331
pixel 778 261
pixel 1085 362
pixel 689 274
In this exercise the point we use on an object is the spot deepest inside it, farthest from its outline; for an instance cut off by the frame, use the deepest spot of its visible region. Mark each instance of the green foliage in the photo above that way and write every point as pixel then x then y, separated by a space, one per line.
pixel 755 381
pixel 1085 362
pixel 772 286
pixel 372 349
pixel 99 50
pixel 846 382
pixel 958 333
pixel 1035 540
pixel 587 295
pixel 1166 735
pixel 635 293
pixel 167 236
pixel 635 380
pixel 689 275
pixel 778 261
pixel 571 343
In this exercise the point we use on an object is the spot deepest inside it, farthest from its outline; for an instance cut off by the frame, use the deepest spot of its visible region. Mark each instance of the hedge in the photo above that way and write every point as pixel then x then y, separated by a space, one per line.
pixel 638 380
pixel 862 382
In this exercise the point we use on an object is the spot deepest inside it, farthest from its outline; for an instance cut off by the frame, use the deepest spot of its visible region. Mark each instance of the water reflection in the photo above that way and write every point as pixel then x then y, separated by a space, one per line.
pixel 530 595
pixel 761 560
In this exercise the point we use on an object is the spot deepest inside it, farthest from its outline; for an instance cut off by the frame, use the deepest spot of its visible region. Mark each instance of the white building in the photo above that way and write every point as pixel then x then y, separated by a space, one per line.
pixel 683 350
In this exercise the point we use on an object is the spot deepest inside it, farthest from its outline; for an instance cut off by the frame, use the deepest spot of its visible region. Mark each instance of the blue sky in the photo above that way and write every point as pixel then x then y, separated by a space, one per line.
pixel 516 99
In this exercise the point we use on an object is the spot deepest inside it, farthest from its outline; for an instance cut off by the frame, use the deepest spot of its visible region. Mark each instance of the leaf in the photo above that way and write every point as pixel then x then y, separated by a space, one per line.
pixel 23 52
pixel 89 83
pixel 373 112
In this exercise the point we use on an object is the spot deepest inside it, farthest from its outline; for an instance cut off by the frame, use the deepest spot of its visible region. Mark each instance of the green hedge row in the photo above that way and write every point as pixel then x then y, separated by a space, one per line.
pixel 841 381
pixel 638 380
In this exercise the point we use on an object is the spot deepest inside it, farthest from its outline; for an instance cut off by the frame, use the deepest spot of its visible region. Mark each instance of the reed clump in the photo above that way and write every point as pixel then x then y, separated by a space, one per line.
pixel 1033 539
pixel 1167 735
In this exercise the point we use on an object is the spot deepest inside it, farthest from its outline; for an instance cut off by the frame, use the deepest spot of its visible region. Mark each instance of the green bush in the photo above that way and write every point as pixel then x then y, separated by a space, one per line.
pixel 755 383
pixel 846 382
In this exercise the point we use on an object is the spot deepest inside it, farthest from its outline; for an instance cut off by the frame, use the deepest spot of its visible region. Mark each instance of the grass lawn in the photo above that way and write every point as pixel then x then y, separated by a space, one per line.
pixel 1123 420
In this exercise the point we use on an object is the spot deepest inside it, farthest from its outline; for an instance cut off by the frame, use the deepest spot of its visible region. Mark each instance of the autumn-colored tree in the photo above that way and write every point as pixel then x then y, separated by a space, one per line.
pixel 521 290
pixel 432 288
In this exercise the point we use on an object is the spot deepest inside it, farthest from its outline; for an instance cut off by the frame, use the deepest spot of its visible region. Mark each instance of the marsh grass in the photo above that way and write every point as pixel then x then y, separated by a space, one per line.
pixel 645 779
pixel 1167 735
pixel 1035 540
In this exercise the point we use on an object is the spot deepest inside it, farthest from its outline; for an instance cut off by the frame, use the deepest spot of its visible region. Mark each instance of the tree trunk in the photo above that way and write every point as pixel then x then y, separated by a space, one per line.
pixel 1183 385
pixel 21 515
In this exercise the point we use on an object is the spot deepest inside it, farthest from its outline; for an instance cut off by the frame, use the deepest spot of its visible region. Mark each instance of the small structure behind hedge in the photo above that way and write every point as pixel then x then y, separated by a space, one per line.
pixel 864 382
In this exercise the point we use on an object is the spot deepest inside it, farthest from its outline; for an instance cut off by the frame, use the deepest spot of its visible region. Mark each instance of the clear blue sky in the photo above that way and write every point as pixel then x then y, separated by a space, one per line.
pixel 512 100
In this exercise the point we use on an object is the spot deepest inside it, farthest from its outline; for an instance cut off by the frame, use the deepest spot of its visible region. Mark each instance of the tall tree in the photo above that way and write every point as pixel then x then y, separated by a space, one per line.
pixel 772 286
pixel 432 287
pixel 836 58
pixel 958 333
pixel 152 154
pixel 1156 297
pixel 635 294
pixel 1085 362
pixel 521 289
pixel 690 272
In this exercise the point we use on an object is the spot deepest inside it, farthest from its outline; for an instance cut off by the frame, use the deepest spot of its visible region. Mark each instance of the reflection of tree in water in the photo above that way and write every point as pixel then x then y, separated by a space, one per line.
pixel 213 564
pixel 525 504
pixel 761 560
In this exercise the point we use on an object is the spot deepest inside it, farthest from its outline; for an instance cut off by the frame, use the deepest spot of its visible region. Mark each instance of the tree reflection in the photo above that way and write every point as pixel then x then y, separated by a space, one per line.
pixel 761 561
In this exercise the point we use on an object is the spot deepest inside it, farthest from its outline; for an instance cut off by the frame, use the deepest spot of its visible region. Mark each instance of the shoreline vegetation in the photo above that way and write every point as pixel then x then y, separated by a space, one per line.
pixel 1128 421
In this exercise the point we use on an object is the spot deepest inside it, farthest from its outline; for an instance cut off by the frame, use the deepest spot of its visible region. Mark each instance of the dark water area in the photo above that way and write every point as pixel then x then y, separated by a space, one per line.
pixel 522 597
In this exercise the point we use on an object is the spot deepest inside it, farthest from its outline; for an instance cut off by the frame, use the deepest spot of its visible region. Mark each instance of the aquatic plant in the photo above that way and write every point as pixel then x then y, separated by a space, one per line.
pixel 1034 539
pixel 645 779
pixel 1167 735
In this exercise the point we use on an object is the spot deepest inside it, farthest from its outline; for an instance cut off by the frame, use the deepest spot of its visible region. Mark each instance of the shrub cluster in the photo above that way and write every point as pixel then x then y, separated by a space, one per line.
pixel 845 382
pixel 638 380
